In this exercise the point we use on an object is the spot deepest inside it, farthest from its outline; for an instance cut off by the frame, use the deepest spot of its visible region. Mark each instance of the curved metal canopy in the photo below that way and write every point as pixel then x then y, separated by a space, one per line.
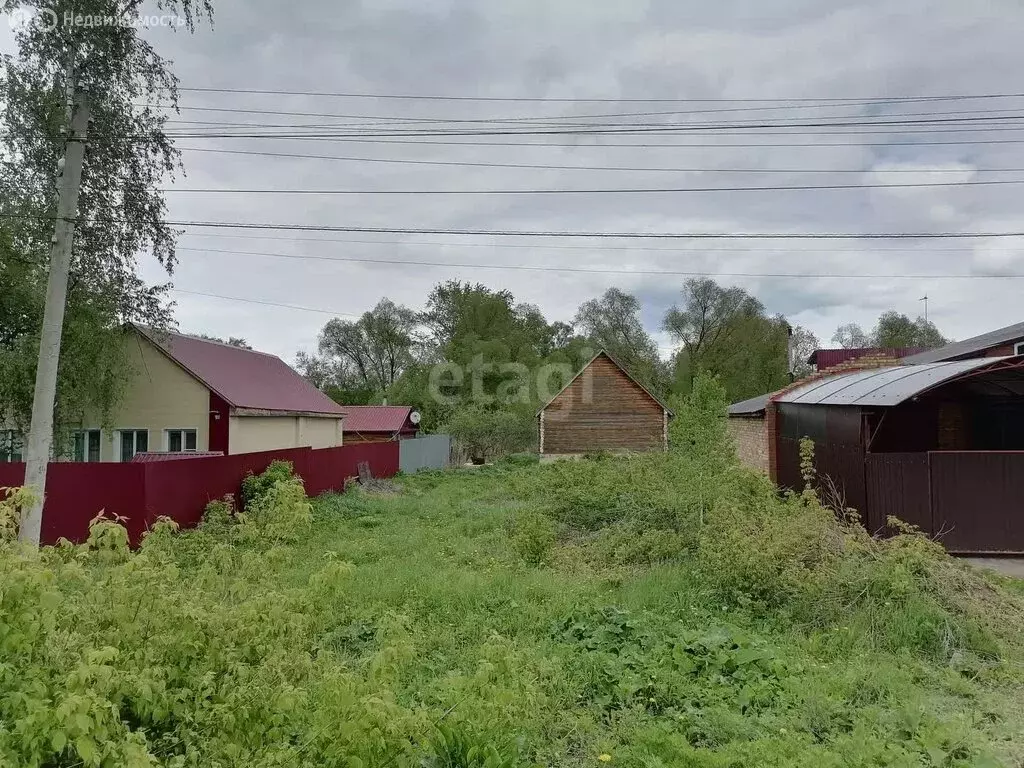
pixel 891 386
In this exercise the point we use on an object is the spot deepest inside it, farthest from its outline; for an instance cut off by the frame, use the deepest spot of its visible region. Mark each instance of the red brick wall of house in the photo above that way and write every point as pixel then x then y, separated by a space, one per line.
pixel 1004 350
pixel 750 438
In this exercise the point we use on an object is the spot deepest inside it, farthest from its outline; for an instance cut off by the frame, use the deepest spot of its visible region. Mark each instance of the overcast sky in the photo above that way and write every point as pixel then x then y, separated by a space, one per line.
pixel 603 49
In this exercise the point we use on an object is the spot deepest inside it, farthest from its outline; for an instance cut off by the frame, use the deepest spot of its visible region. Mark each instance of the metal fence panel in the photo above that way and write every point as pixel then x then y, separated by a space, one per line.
pixel 976 500
pixel 898 485
pixel 427 452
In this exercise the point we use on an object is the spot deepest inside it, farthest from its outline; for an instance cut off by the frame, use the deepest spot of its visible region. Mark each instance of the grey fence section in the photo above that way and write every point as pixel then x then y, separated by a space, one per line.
pixel 427 452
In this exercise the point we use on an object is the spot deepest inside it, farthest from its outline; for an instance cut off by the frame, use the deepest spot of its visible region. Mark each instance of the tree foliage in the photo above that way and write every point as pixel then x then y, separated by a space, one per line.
pixel 727 332
pixel 612 323
pixel 361 359
pixel 128 159
pixel 892 331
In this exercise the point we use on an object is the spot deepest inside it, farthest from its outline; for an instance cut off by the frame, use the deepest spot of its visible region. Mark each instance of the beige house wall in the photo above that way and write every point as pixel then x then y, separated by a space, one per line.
pixel 249 434
pixel 161 396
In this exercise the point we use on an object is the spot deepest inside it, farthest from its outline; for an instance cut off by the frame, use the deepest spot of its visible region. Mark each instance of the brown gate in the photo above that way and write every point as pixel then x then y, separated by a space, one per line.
pixel 898 486
pixel 977 500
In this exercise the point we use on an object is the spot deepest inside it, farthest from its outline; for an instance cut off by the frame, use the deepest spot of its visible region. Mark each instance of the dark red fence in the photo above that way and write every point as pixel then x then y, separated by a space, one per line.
pixel 977 500
pixel 898 485
pixel 970 501
pixel 180 490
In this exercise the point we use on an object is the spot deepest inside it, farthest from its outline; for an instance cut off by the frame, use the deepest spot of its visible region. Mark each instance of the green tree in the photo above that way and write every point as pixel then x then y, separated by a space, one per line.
pixel 893 330
pixel 851 336
pixel 612 323
pixel 372 352
pixel 121 207
pixel 726 332
pixel 490 346
pixel 896 330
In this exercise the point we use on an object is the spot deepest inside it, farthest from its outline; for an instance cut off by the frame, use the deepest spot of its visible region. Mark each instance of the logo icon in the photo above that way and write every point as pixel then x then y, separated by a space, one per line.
pixel 24 19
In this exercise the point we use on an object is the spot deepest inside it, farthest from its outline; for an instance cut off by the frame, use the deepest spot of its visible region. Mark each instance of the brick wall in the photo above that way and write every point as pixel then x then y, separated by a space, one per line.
pixel 750 436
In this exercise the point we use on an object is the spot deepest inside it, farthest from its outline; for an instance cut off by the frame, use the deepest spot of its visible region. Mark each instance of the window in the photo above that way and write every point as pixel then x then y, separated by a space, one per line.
pixel 1018 348
pixel 87 445
pixel 10 445
pixel 181 440
pixel 133 441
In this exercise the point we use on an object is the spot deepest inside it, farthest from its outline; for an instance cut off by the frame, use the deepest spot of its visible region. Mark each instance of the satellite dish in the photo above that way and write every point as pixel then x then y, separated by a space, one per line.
pixel 414 417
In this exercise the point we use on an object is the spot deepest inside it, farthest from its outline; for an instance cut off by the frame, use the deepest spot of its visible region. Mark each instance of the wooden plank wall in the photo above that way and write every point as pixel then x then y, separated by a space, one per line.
pixel 603 410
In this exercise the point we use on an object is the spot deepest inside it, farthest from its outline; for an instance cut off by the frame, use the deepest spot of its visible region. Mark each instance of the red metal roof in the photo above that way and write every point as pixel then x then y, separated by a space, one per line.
pixel 829 358
pixel 376 418
pixel 151 456
pixel 243 377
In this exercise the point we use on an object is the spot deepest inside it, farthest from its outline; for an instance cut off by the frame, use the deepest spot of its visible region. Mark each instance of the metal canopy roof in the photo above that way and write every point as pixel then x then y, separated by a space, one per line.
pixel 892 386
pixel 970 346
pixel 752 406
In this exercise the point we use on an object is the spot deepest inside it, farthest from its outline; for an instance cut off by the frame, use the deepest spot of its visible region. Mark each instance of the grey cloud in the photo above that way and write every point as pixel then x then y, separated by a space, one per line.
pixel 617 49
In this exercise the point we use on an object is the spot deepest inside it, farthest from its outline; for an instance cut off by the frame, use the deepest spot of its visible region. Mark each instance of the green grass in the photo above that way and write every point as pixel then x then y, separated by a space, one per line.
pixel 640 612
pixel 440 559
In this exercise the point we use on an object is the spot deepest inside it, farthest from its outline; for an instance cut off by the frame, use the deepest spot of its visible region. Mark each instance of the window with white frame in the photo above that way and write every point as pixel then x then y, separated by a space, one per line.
pixel 1018 348
pixel 87 445
pixel 180 440
pixel 11 444
pixel 132 441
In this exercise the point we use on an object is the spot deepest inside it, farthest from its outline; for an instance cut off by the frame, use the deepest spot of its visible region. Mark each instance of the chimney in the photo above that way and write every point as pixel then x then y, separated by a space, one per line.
pixel 790 366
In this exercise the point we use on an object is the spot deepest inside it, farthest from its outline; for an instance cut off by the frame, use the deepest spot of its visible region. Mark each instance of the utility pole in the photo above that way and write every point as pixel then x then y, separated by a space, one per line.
pixel 925 300
pixel 40 435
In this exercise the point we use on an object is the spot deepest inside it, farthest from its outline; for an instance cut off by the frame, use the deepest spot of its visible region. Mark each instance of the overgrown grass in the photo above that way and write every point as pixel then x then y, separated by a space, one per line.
pixel 661 610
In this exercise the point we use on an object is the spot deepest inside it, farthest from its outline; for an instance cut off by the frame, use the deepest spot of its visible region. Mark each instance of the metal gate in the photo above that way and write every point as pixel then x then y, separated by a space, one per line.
pixel 427 452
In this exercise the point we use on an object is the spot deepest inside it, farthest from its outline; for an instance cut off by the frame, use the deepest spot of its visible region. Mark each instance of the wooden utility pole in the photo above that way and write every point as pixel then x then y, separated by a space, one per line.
pixel 40 435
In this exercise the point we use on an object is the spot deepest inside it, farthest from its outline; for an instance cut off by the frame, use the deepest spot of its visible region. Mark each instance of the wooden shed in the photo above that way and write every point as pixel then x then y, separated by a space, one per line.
pixel 603 408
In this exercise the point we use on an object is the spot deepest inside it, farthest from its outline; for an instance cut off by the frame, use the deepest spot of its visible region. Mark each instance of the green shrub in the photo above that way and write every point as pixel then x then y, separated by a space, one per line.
pixel 12 501
pixel 254 486
pixel 455 747
pixel 219 514
pixel 532 536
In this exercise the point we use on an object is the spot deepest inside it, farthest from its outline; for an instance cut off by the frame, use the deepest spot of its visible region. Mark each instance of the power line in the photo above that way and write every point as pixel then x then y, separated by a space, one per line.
pixel 606 100
pixel 929 126
pixel 383 137
pixel 913 143
pixel 540 166
pixel 556 233
pixel 262 302
pixel 590 270
pixel 695 127
pixel 595 190
pixel 627 248
pixel 560 120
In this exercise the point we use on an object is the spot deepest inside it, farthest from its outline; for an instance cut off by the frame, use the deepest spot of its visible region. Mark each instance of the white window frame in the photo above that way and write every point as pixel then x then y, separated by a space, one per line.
pixel 182 430
pixel 85 444
pixel 135 441
pixel 1018 348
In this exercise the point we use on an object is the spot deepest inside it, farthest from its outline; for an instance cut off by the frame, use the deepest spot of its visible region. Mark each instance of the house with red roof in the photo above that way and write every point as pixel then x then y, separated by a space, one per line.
pixel 380 423
pixel 189 394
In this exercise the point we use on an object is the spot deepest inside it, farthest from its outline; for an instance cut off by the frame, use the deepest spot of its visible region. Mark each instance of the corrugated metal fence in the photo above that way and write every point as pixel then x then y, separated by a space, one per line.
pixel 427 452
pixel 971 501
pixel 143 491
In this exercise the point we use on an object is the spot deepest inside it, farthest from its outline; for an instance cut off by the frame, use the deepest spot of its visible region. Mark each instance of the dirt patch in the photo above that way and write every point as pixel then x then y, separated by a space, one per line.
pixel 1008 566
